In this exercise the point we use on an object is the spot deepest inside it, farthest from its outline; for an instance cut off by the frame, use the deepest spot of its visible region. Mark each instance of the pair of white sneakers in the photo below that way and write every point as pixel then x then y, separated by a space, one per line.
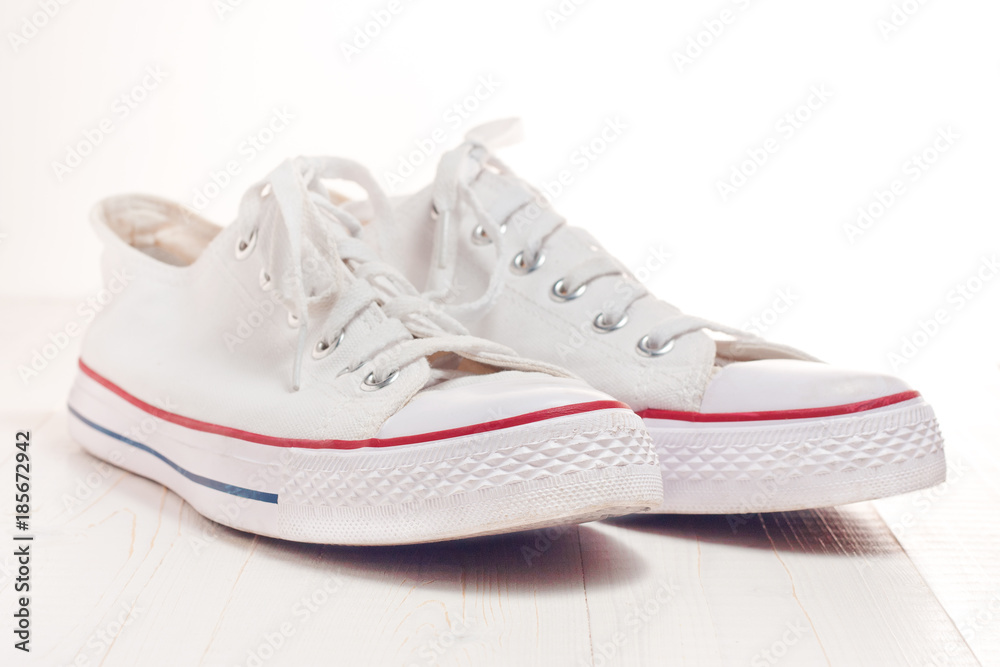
pixel 285 376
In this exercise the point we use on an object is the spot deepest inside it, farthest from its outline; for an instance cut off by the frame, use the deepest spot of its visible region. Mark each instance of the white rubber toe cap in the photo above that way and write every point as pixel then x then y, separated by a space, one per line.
pixel 785 384
pixel 492 398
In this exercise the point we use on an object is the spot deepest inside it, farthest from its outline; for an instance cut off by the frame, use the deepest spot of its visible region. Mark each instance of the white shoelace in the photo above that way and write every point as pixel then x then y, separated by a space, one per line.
pixel 453 197
pixel 306 241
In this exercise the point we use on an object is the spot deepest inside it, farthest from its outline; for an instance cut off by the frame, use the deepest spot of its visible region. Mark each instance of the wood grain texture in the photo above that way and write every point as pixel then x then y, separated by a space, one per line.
pixel 126 573
pixel 952 532
pixel 825 587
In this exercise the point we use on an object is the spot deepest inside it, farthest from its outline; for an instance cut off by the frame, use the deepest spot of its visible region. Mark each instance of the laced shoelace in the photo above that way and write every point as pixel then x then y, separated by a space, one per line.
pixel 453 197
pixel 305 239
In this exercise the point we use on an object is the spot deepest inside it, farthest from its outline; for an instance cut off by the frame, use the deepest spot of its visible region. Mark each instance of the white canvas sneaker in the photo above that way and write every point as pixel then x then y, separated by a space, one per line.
pixel 740 424
pixel 284 381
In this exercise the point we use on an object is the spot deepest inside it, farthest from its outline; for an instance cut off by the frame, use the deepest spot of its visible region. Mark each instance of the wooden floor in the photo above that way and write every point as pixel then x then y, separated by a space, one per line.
pixel 125 573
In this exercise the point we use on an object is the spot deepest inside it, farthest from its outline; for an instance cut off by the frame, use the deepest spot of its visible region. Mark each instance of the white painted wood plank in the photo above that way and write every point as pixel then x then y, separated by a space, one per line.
pixel 474 602
pixel 806 588
pixel 952 532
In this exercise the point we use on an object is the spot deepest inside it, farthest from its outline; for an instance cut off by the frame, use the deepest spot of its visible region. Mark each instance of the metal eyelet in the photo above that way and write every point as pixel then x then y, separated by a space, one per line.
pixel 266 190
pixel 603 326
pixel 519 266
pixel 265 280
pixel 324 347
pixel 351 369
pixel 371 383
pixel 293 320
pixel 644 349
pixel 479 236
pixel 244 248
pixel 559 292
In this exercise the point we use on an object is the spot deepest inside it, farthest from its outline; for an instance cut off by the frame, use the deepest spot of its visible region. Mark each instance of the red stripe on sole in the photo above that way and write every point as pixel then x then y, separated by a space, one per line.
pixel 194 424
pixel 802 413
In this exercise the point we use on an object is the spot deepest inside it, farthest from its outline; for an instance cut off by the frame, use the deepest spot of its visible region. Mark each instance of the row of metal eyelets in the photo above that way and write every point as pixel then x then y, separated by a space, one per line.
pixel 480 237
pixel 561 294
pixel 244 248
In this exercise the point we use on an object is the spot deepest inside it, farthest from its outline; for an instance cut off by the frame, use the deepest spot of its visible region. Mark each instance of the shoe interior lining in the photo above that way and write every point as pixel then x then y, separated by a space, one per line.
pixel 163 230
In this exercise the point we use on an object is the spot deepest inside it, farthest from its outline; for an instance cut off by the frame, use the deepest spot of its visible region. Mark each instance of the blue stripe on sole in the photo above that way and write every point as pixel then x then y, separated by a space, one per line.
pixel 198 479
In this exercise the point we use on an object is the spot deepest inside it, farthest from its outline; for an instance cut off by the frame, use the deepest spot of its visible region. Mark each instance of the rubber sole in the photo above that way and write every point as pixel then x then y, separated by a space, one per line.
pixel 567 469
pixel 792 464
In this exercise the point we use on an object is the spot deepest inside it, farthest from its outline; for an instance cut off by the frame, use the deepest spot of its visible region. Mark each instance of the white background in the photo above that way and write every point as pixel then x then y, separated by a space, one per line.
pixel 893 87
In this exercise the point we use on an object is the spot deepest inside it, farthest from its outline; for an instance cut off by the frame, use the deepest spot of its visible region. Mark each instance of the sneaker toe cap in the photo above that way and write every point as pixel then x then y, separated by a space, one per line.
pixel 786 384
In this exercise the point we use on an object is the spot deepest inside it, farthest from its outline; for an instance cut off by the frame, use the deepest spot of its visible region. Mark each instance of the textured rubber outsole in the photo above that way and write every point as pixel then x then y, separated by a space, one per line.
pixel 566 469
pixel 794 464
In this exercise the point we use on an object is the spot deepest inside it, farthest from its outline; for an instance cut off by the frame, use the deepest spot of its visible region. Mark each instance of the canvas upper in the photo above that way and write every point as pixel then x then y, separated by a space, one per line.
pixel 491 249
pixel 286 324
